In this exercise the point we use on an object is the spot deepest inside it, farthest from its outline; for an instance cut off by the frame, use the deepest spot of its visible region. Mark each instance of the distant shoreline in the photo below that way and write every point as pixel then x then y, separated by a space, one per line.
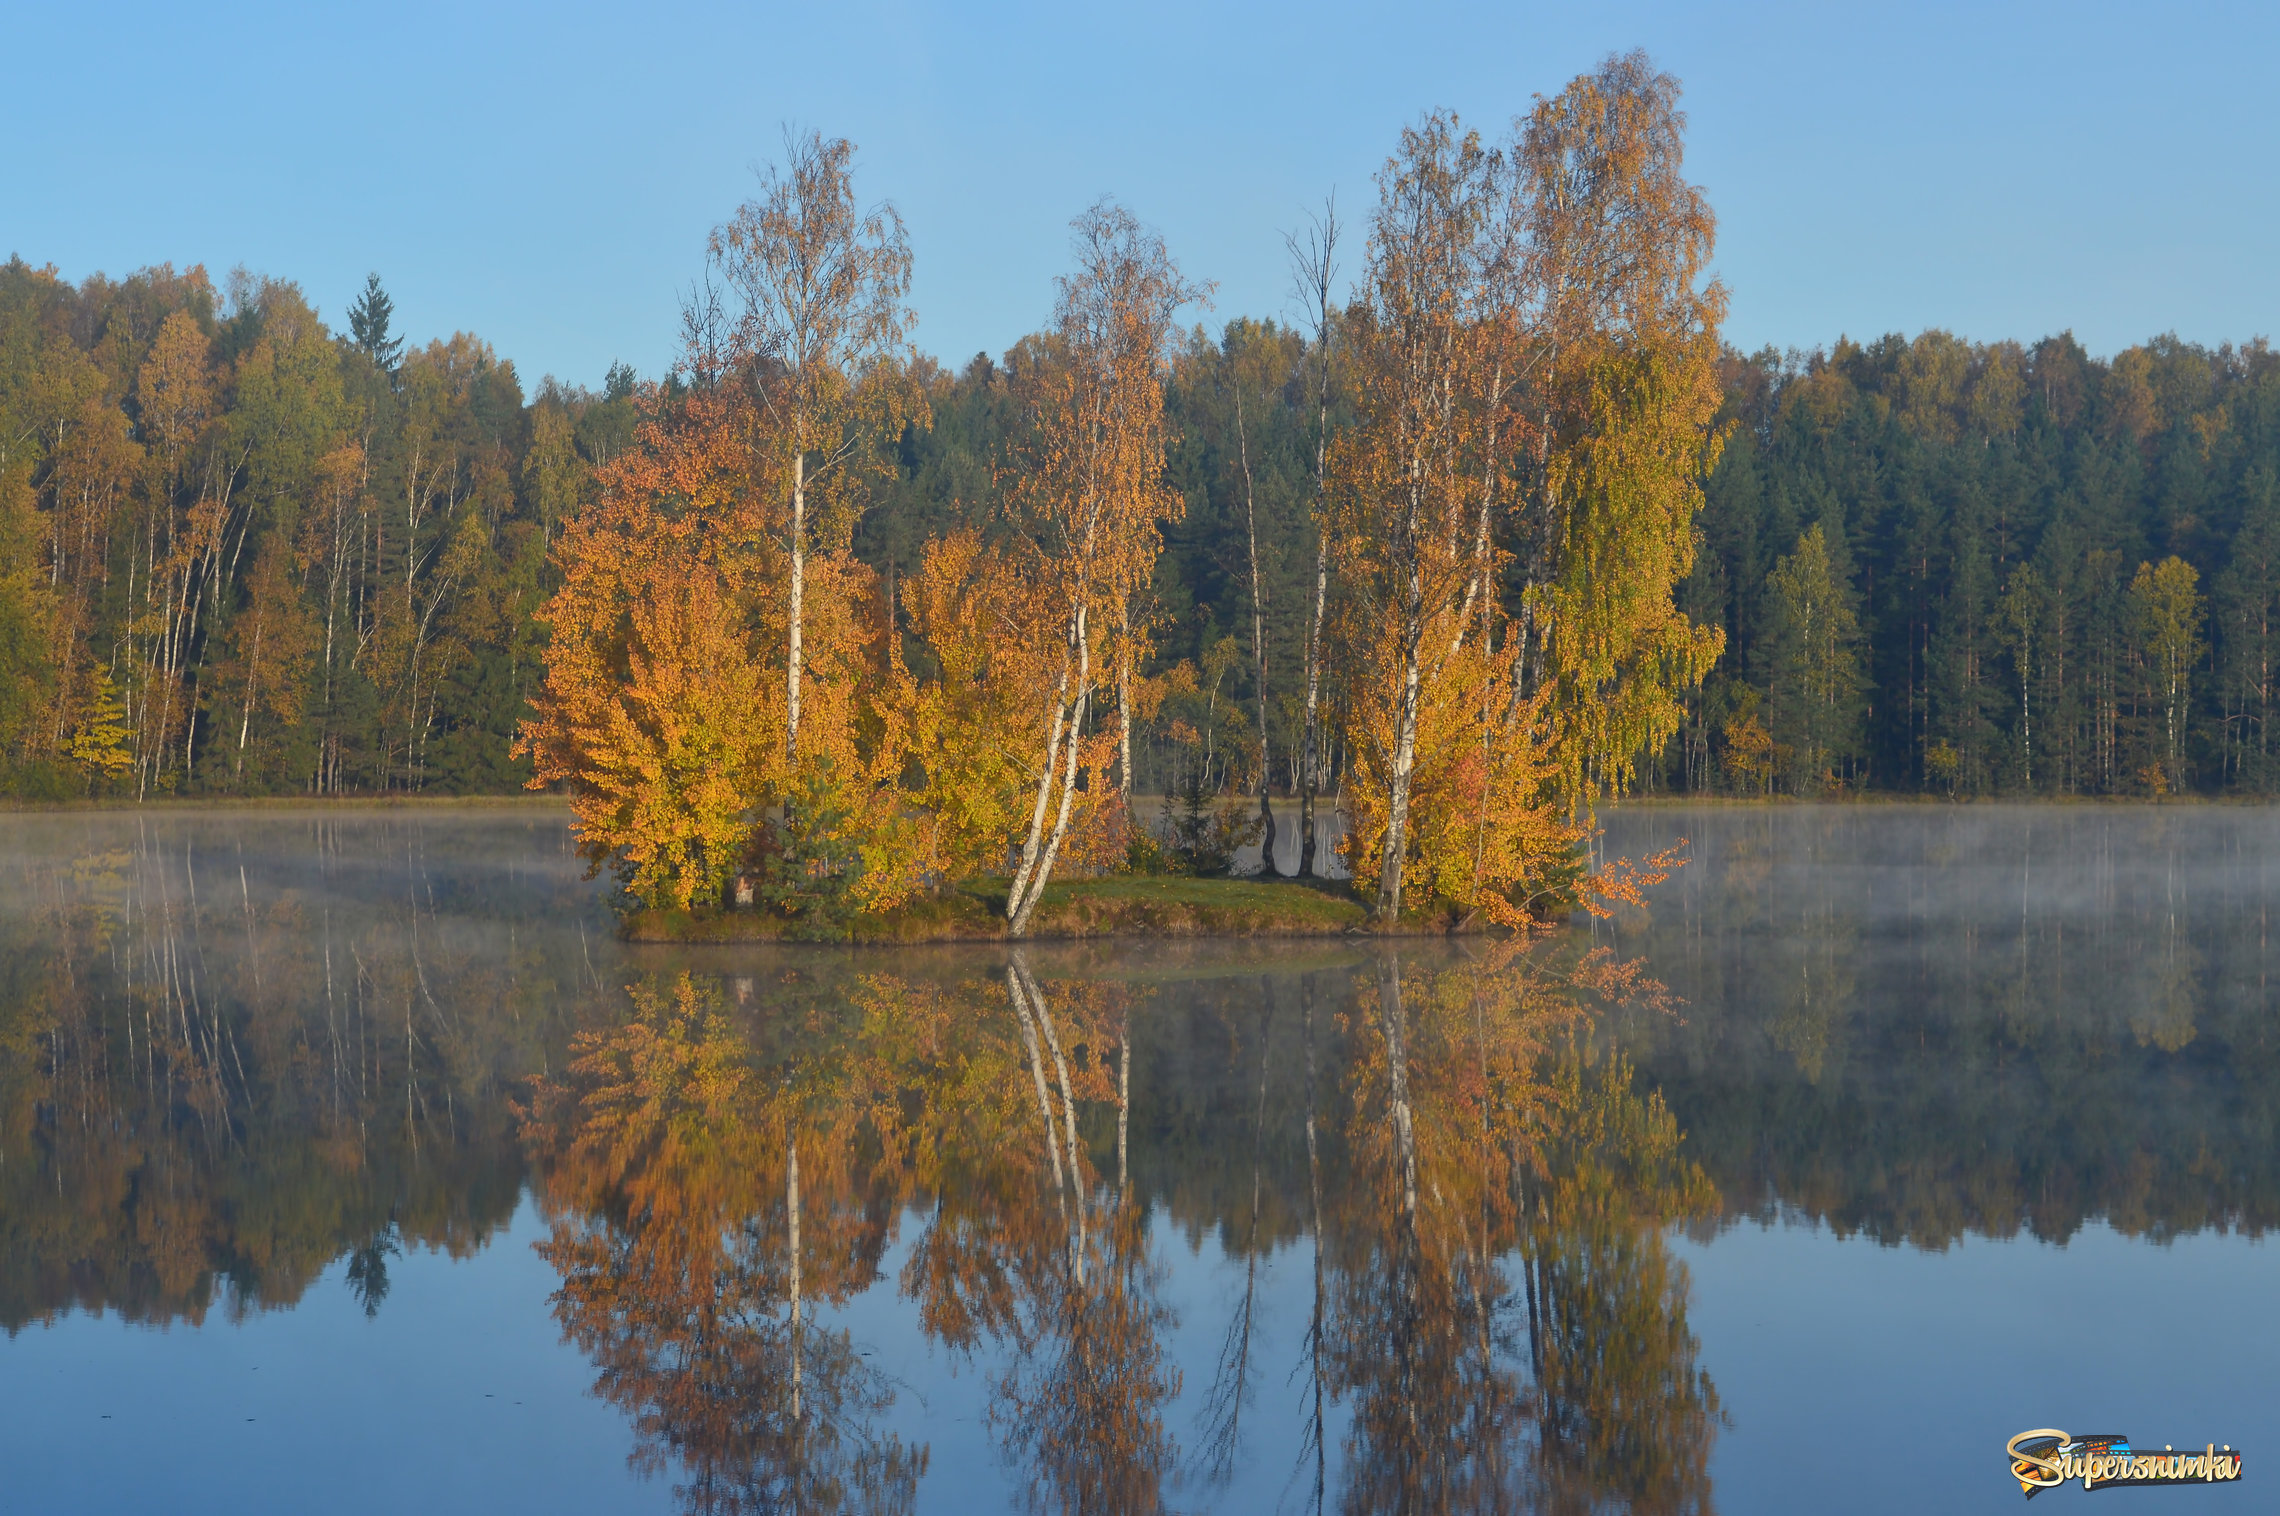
pixel 1286 820
pixel 11 805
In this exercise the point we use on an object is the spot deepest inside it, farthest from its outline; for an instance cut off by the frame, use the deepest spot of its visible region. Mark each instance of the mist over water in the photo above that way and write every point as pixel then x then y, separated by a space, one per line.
pixel 1926 1021
pixel 353 1139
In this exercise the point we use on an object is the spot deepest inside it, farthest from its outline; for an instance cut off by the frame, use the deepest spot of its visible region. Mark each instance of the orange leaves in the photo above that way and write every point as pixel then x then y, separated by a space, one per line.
pixel 669 765
pixel 654 707
pixel 1091 492
pixel 1622 882
pixel 663 707
pixel 1482 833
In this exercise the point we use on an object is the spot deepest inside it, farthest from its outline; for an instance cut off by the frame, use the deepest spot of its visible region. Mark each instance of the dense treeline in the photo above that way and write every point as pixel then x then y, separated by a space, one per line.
pixel 247 555
pixel 1993 569
pixel 784 623
pixel 243 554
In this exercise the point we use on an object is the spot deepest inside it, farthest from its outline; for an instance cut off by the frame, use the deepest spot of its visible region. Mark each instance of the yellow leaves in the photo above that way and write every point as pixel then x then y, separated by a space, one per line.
pixel 99 736
pixel 1627 480
pixel 175 389
pixel 977 729
pixel 667 767
pixel 1482 833
pixel 1750 754
pixel 2167 600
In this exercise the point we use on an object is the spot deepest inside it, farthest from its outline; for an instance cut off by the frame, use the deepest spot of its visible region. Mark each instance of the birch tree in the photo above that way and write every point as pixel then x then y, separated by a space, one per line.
pixel 1314 269
pixel 1090 487
pixel 1400 479
pixel 1625 393
pixel 822 339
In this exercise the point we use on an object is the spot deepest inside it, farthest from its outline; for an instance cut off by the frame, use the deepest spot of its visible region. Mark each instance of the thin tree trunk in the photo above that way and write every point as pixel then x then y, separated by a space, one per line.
pixel 1267 864
pixel 1031 841
pixel 1405 745
pixel 1038 853
pixel 245 718
pixel 1314 270
pixel 1124 701
pixel 798 596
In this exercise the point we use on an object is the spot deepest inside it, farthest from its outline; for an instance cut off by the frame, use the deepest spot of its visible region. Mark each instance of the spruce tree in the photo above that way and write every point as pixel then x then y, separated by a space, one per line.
pixel 368 325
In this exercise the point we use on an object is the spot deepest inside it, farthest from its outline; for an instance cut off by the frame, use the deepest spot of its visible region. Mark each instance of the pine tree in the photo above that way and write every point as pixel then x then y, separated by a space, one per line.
pixel 368 325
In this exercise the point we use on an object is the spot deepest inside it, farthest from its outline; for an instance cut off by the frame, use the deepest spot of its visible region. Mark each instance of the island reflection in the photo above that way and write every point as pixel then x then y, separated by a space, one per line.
pixel 1491 1300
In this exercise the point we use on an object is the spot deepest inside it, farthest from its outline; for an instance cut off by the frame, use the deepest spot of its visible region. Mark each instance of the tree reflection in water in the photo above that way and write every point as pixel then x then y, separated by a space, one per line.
pixel 234 1057
pixel 1482 1142
pixel 665 1155
pixel 1493 1307
pixel 220 1074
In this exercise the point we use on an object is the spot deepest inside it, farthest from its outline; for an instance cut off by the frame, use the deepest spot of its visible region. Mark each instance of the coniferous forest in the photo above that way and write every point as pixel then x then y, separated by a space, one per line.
pixel 245 550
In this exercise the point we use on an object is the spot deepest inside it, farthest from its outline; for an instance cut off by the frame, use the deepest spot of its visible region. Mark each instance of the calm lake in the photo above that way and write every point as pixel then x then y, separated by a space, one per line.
pixel 348 1162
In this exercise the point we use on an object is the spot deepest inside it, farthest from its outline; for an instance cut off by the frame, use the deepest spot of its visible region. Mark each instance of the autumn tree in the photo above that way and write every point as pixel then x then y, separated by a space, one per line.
pixel 1090 488
pixel 99 735
pixel 271 648
pixel 653 709
pixel 822 342
pixel 1626 391
pixel 1403 477
pixel 988 627
pixel 2167 600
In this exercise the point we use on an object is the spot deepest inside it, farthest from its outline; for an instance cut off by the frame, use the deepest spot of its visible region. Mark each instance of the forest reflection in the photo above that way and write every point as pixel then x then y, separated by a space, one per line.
pixel 1922 1025
pixel 1491 1301
pixel 1438 1186
pixel 223 1068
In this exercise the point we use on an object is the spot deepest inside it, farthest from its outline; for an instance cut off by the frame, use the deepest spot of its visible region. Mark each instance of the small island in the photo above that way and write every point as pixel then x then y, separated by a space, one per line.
pixel 1499 440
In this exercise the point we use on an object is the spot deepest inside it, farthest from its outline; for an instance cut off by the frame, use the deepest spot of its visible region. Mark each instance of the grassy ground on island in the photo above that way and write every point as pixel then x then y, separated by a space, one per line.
pixel 1121 906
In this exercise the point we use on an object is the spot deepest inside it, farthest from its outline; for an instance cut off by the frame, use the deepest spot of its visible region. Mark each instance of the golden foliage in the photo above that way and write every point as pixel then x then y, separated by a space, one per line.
pixel 99 736
pixel 975 725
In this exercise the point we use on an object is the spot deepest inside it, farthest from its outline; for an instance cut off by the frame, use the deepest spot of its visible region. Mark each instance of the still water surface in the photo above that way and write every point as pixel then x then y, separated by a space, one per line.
pixel 348 1162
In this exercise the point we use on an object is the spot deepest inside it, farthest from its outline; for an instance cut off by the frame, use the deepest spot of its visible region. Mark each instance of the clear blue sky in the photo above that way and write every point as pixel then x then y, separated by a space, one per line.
pixel 544 175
